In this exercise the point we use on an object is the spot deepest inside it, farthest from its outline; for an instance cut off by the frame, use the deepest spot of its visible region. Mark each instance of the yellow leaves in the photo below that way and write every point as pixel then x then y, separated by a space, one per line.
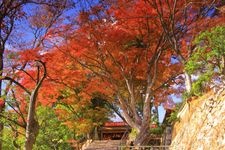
pixel 83 126
pixel 82 120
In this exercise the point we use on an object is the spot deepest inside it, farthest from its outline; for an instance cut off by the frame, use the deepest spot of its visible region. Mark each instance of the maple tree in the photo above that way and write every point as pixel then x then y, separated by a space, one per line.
pixel 31 123
pixel 12 12
pixel 128 55
pixel 9 13
pixel 123 60
pixel 128 48
pixel 73 106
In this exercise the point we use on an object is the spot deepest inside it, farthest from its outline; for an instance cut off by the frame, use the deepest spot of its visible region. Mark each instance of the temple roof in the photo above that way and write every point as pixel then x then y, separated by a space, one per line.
pixel 115 124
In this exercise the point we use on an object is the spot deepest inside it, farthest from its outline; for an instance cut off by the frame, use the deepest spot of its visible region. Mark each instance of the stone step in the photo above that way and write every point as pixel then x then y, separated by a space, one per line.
pixel 102 148
pixel 103 145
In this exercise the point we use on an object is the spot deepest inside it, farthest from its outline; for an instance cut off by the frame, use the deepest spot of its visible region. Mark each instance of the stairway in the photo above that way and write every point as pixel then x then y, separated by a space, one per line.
pixel 103 145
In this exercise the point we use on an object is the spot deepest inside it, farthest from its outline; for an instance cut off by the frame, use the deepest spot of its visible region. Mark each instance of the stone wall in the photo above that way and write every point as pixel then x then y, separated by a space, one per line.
pixel 201 125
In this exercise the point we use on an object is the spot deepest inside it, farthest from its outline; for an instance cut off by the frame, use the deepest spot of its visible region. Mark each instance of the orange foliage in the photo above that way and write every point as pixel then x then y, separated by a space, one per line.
pixel 102 54
pixel 114 51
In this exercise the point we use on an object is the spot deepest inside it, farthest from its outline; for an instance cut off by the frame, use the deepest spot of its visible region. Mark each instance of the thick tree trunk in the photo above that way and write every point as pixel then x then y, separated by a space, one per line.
pixel 31 134
pixel 143 131
pixel 143 136
pixel 125 114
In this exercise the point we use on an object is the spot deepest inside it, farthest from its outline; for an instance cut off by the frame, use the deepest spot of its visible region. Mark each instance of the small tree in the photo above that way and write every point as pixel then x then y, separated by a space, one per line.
pixel 12 14
pixel 31 124
pixel 208 60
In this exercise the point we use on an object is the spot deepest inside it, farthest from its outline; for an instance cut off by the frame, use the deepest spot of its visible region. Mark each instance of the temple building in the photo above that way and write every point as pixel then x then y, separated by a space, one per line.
pixel 113 131
pixel 121 130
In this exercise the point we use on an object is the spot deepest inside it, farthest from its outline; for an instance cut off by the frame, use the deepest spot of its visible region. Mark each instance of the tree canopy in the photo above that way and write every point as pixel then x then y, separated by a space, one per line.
pixel 75 63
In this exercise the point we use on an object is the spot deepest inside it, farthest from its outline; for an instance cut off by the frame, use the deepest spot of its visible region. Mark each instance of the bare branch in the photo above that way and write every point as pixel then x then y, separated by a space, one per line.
pixel 17 83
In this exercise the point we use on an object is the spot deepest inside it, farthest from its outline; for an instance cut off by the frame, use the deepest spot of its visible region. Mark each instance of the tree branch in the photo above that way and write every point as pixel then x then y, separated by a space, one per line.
pixel 17 83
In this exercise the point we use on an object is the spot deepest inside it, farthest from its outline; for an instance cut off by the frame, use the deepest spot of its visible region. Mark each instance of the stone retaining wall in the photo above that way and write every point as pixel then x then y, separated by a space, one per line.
pixel 201 125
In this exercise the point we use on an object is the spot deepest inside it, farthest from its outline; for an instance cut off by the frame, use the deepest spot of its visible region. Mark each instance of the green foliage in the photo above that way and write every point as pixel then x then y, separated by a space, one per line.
pixel 12 139
pixel 173 116
pixel 7 139
pixel 82 119
pixel 52 134
pixel 186 95
pixel 198 85
pixel 208 58
pixel 158 130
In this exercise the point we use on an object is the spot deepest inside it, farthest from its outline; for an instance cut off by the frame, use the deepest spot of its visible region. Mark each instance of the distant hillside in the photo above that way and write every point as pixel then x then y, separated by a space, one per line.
pixel 202 124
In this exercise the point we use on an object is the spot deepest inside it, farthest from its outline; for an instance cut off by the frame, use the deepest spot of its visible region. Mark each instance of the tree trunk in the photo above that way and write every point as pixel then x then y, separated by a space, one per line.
pixel 188 82
pixel 32 124
pixel 1 109
pixel 31 134
pixel 223 65
pixel 32 127
pixel 143 136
